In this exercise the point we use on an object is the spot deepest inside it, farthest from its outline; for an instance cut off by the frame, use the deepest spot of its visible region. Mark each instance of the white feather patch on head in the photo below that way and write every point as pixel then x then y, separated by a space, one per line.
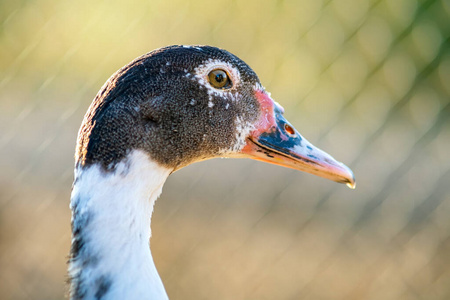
pixel 258 87
pixel 201 76
pixel 243 129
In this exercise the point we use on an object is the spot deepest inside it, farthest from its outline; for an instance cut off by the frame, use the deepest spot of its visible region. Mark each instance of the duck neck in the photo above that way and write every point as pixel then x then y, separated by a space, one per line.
pixel 111 212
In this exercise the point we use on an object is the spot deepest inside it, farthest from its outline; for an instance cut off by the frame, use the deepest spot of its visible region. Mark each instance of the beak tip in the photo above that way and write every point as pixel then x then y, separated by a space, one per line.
pixel 351 182
pixel 351 185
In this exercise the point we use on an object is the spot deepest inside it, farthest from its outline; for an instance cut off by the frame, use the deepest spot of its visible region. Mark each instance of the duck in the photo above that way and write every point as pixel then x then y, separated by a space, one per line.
pixel 163 111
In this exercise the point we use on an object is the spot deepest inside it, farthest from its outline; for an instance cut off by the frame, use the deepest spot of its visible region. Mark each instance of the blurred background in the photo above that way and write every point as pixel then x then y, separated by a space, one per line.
pixel 368 81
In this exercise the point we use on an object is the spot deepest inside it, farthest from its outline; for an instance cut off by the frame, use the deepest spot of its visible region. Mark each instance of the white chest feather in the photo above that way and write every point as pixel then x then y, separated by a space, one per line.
pixel 111 213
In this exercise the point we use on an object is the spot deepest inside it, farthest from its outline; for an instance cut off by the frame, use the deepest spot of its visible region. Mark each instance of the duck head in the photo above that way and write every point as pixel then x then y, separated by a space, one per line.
pixel 183 104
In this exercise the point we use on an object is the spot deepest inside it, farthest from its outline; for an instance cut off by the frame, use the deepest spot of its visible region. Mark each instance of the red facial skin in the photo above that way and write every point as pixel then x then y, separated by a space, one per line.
pixel 265 124
pixel 267 119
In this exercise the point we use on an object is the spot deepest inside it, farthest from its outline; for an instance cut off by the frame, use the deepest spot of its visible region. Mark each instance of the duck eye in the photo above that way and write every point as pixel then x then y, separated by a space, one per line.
pixel 219 79
pixel 289 129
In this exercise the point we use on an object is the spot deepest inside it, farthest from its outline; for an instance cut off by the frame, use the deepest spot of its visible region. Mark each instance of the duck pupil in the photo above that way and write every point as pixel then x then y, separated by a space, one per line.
pixel 219 78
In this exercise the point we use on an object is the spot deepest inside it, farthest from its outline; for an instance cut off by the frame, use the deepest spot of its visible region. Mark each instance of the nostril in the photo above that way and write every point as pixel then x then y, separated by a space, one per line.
pixel 288 128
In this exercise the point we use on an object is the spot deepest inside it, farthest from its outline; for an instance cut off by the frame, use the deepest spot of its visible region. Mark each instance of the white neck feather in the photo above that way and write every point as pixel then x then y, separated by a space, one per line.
pixel 111 213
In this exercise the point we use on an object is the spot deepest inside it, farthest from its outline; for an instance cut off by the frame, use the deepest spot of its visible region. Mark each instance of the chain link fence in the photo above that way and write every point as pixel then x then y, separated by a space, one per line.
pixel 367 81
